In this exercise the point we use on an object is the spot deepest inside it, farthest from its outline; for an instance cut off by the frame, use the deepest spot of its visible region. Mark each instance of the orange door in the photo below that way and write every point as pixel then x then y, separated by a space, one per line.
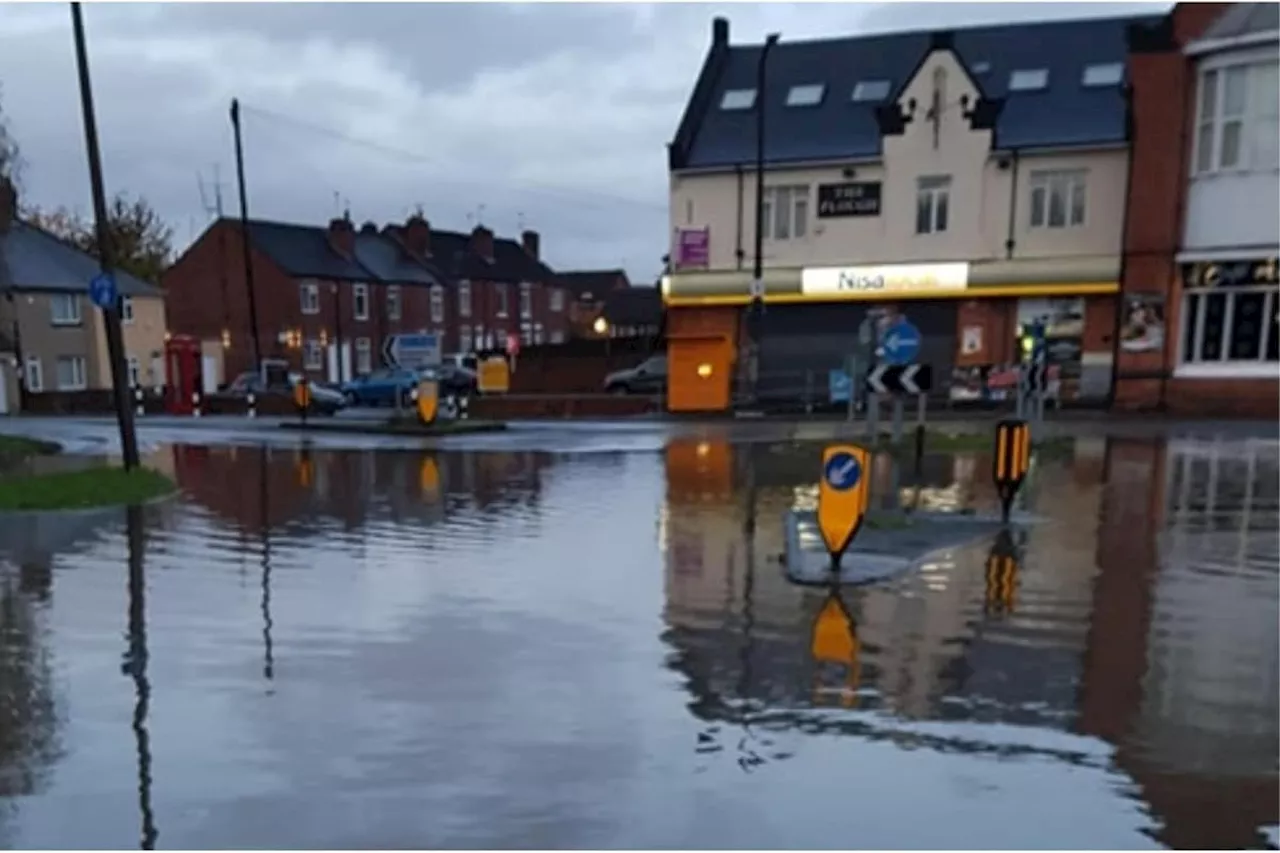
pixel 699 374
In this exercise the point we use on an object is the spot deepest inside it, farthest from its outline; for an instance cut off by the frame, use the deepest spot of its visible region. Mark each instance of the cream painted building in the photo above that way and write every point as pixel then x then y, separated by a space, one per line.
pixel 143 329
pixel 972 180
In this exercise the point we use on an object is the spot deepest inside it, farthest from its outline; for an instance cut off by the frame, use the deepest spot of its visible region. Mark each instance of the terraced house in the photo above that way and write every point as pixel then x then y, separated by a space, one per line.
pixel 973 180
pixel 53 344
pixel 328 298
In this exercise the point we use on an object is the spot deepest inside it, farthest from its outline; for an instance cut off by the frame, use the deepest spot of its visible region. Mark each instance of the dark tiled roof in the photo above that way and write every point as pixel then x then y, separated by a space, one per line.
pixel 511 263
pixel 594 282
pixel 1244 19
pixel 634 306
pixel 34 259
pixel 304 250
pixel 1065 113
pixel 382 256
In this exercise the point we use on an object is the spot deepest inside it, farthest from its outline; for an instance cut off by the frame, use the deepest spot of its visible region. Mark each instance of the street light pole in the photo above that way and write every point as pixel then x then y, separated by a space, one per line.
pixel 110 315
pixel 244 239
pixel 755 325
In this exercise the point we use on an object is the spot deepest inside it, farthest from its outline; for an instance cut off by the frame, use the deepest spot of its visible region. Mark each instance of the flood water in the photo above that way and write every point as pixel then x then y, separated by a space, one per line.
pixel 497 649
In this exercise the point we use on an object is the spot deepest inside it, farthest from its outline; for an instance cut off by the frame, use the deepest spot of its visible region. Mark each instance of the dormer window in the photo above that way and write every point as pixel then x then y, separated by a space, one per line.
pixel 738 99
pixel 868 91
pixel 808 95
pixel 1104 74
pixel 1029 80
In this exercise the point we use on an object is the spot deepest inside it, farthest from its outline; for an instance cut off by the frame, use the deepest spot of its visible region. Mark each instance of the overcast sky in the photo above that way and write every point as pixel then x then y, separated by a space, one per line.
pixel 554 115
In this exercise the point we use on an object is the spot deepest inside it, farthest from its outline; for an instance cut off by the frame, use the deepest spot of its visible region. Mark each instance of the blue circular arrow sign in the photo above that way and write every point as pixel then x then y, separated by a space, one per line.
pixel 842 472
pixel 901 342
pixel 102 291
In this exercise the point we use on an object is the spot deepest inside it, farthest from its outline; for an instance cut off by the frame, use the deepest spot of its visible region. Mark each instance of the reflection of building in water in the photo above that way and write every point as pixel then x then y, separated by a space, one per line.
pixel 1181 667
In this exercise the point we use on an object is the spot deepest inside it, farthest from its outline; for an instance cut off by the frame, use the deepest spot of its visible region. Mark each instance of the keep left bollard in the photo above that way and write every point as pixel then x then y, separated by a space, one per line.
pixel 842 497
pixel 1011 461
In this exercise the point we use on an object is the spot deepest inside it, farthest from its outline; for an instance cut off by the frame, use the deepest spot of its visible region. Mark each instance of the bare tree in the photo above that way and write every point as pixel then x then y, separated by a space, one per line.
pixel 10 156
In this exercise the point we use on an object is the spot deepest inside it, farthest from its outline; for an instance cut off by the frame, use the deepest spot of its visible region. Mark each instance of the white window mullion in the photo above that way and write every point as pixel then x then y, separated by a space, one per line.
pixel 1228 319
pixel 1268 307
pixel 1197 340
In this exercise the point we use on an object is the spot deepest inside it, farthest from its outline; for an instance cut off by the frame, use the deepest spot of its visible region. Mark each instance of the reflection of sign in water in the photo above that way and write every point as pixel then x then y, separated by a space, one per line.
pixel 1142 329
pixel 842 495
pixel 835 641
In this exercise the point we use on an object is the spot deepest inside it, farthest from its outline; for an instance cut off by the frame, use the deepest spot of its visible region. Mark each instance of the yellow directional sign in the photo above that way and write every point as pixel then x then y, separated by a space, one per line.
pixel 842 495
pixel 302 394
pixel 493 375
pixel 428 401
pixel 1011 461
pixel 835 641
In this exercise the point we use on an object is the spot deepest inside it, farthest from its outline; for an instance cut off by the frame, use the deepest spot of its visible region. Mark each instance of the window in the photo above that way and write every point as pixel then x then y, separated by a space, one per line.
pixel 464 299
pixel 312 355
pixel 1232 325
pixel 981 67
pixel 1106 74
pixel 526 299
pixel 808 95
pixel 126 309
pixel 360 301
pixel 309 293
pixel 133 371
pixel 556 300
pixel 1238 118
pixel 786 212
pixel 738 99
pixel 1029 80
pixel 393 302
pixel 870 90
pixel 557 336
pixel 1057 198
pixel 64 309
pixel 437 303
pixel 464 339
pixel 364 356
pixel 34 375
pixel 526 333
pixel 537 333
pixel 933 199
pixel 502 297
pixel 478 339
pixel 71 373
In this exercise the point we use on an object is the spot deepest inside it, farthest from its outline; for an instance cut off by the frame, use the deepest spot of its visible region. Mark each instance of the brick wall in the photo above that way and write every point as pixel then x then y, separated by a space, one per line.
pixel 577 367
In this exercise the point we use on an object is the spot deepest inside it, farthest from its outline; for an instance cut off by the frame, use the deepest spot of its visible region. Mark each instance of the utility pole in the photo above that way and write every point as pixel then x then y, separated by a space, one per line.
pixel 110 315
pixel 244 239
pixel 755 324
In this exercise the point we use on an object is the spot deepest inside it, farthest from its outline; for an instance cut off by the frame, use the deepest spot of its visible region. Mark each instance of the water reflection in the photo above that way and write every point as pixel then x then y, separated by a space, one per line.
pixel 135 666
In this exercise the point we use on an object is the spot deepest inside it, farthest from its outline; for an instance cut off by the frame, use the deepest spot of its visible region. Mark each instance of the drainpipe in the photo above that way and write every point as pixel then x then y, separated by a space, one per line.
pixel 1124 258
pixel 737 251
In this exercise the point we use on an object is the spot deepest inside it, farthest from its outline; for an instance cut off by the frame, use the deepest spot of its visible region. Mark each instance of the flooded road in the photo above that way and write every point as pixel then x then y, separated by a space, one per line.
pixel 484 648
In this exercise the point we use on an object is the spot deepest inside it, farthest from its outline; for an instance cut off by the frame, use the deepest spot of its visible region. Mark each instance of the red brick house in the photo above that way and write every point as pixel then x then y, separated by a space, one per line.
pixel 327 298
pixel 588 290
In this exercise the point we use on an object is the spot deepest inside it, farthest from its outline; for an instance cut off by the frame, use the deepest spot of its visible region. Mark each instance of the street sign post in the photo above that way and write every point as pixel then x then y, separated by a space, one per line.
pixel 428 401
pixel 900 342
pixel 1012 460
pixel 842 496
pixel 103 291
pixel 411 350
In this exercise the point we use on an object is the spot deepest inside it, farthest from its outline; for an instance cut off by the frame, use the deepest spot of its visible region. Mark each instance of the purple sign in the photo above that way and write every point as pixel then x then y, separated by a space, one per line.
pixel 693 248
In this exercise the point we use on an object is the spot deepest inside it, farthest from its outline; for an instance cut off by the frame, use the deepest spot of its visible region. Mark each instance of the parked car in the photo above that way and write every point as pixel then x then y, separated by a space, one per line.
pixel 381 387
pixel 647 377
pixel 325 399
pixel 453 378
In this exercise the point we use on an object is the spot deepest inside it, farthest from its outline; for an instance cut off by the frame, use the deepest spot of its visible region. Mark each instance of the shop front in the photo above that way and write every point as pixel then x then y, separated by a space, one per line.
pixel 969 314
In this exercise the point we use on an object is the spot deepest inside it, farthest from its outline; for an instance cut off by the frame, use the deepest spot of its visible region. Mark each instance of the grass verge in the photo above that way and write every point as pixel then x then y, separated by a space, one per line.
pixel 16 447
pixel 82 489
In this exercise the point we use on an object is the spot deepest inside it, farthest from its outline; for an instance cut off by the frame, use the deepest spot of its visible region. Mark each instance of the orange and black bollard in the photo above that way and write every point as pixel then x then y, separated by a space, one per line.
pixel 1011 462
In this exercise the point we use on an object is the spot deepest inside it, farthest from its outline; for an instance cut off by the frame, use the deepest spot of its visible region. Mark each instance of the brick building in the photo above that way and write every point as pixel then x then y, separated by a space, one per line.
pixel 588 290
pixel 327 298
pixel 1198 326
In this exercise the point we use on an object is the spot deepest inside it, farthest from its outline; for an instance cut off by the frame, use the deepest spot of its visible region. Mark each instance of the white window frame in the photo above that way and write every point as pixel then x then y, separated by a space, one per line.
pixel 738 99
pixel 133 370
pixel 1192 364
pixel 556 336
pixel 806 94
pixel 312 354
pixel 360 301
pixel 77 362
pixel 436 297
pixel 464 298
pixel 786 212
pixel 394 309
pixel 71 317
pixel 1069 186
pixel 526 300
pixel 936 190
pixel 33 374
pixel 1255 117
pixel 502 297
pixel 126 309
pixel 464 339
pixel 309 297
pixel 556 300
pixel 364 356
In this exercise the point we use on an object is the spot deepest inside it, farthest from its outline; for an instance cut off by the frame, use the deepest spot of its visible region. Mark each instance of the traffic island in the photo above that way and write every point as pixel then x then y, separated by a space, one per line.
pixel 16 448
pixel 83 488
pixel 402 426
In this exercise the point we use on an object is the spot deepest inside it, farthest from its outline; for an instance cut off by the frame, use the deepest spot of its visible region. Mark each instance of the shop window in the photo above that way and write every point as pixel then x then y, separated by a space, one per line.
pixel 1231 326
pixel 786 212
pixel 933 201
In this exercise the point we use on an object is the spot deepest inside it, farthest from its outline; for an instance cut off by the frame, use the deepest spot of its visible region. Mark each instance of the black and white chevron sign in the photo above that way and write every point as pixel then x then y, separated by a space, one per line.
pixel 900 379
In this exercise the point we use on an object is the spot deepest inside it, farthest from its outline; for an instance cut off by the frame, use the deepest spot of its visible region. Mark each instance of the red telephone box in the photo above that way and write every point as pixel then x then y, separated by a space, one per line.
pixel 182 372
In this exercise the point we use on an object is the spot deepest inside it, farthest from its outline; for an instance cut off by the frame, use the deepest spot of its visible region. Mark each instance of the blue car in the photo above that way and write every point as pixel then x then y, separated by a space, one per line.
pixel 380 388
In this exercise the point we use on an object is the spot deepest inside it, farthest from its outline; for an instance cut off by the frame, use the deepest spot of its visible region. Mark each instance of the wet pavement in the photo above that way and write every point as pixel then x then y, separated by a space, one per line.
pixel 567 638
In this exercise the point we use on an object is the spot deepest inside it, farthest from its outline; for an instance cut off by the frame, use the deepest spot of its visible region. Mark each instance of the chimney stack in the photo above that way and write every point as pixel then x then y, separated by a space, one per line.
pixel 532 244
pixel 8 204
pixel 342 237
pixel 720 31
pixel 417 236
pixel 482 242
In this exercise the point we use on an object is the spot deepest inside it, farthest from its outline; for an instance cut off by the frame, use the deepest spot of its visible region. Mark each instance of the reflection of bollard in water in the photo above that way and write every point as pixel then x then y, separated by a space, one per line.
pixel 1011 461
pixel 834 640
pixel 1002 575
